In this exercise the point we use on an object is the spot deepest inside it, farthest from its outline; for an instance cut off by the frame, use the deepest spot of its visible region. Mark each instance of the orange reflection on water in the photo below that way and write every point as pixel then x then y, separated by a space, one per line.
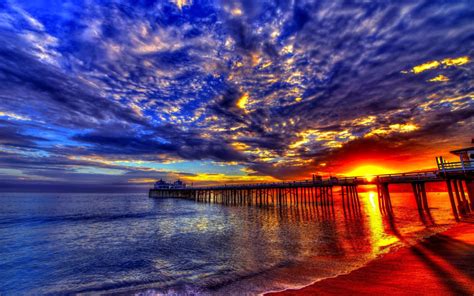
pixel 372 200
pixel 378 237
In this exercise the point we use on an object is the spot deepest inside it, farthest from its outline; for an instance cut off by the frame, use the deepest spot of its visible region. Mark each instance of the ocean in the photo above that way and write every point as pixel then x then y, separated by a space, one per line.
pixel 131 244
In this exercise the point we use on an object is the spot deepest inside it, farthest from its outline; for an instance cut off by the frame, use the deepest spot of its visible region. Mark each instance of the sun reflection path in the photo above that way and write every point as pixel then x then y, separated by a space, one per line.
pixel 372 199
pixel 378 237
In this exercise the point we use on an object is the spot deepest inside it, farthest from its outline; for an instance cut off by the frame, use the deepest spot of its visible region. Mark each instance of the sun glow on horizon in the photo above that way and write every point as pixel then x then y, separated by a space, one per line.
pixel 368 171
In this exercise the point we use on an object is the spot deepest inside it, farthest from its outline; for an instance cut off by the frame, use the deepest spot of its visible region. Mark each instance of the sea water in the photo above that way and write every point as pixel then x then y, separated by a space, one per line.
pixel 131 244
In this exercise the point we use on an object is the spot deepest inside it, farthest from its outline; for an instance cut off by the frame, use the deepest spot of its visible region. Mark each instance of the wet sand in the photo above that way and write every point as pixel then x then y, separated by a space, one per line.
pixel 440 265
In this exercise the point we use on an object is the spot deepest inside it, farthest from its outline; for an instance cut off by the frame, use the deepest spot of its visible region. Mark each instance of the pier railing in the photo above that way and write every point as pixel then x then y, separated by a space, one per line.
pixel 456 166
pixel 433 175
pixel 426 176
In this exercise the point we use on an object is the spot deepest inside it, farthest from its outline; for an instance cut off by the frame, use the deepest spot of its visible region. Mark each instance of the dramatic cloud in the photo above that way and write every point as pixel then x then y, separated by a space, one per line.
pixel 123 92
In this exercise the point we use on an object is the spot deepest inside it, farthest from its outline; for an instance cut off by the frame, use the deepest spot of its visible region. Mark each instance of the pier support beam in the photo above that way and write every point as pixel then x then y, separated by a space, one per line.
pixel 419 190
pixel 451 199
pixel 350 200
pixel 385 202
pixel 466 206
pixel 470 192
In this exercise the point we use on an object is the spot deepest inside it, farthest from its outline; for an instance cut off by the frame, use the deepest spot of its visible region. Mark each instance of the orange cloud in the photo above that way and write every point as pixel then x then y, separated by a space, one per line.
pixel 243 101
pixel 448 62
pixel 439 78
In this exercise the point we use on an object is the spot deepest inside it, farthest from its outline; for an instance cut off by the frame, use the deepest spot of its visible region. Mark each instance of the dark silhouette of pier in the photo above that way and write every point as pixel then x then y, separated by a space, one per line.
pixel 319 192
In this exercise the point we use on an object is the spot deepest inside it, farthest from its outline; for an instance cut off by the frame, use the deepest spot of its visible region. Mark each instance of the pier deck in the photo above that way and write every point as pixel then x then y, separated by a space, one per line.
pixel 319 192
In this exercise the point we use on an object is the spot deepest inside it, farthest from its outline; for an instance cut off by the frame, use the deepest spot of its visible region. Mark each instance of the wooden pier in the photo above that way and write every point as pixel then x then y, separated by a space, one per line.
pixel 318 192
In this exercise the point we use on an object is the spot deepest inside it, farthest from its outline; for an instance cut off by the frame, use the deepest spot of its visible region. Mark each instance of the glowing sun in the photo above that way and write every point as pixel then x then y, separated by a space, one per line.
pixel 369 171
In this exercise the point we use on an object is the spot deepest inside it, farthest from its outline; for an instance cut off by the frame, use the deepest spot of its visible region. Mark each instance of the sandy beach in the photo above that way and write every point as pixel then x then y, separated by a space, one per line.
pixel 440 265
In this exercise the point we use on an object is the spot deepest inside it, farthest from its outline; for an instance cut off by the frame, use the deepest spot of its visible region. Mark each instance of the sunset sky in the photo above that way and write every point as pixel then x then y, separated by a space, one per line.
pixel 111 95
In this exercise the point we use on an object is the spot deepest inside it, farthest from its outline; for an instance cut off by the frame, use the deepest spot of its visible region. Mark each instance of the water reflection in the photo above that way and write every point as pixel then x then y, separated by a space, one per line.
pixel 134 243
pixel 379 237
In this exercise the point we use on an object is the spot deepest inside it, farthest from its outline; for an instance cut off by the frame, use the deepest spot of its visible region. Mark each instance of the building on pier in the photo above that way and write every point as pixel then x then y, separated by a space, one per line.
pixel 466 155
pixel 164 185
pixel 465 163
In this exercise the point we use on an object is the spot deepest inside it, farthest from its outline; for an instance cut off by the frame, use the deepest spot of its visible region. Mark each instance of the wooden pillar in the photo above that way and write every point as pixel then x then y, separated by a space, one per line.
pixel 328 199
pixel 461 209
pixel 354 199
pixel 451 199
pixel 424 198
pixel 326 196
pixel 297 195
pixel 332 197
pixel 387 198
pixel 463 197
pixel 470 192
pixel 416 192
pixel 303 198
pixel 350 199
pixel 357 196
pixel 322 197
pixel 278 196
pixel 380 197
pixel 309 198
pixel 315 196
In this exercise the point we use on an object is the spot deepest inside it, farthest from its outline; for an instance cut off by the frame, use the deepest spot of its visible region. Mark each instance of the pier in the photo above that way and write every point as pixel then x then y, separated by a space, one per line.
pixel 319 192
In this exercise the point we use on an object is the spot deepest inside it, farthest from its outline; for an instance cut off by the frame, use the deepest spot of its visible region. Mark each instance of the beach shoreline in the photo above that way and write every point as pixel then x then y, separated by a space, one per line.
pixel 438 265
